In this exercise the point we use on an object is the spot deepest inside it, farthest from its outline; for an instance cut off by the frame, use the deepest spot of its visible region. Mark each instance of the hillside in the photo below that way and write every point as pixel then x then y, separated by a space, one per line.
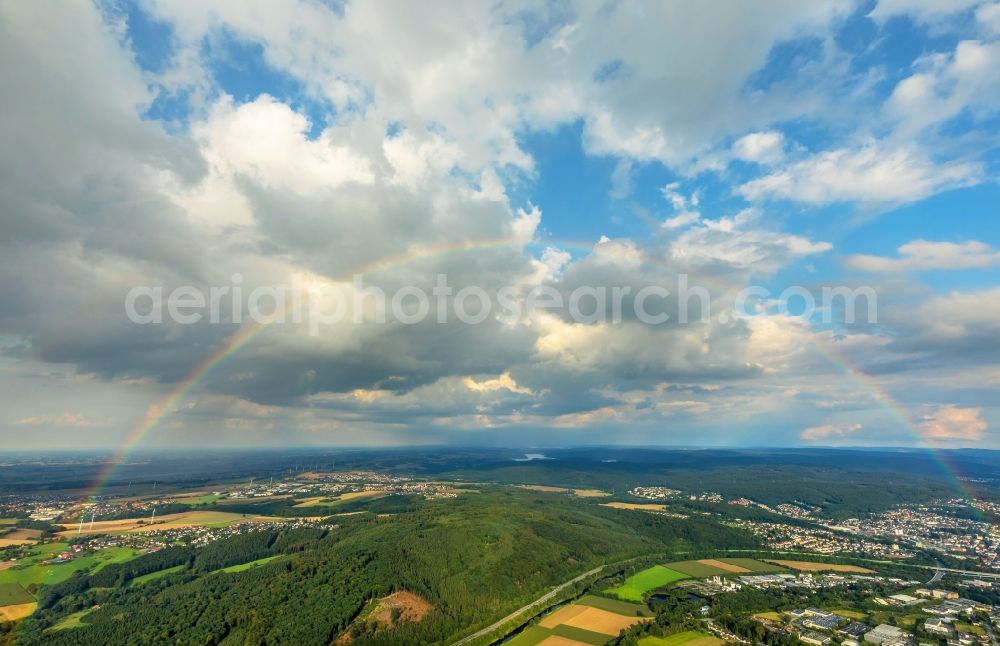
pixel 473 558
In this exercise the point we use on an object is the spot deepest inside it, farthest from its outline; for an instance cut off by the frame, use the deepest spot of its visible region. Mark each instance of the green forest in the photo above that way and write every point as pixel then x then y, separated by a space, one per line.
pixel 473 558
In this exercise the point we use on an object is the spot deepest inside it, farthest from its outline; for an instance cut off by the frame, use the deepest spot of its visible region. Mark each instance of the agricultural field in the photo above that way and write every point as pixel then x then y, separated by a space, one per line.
pixel 71 620
pixel 753 565
pixel 167 521
pixel 246 566
pixel 13 594
pixel 535 636
pixel 726 567
pixel 614 605
pixel 15 602
pixel 579 493
pixel 686 638
pixel 644 506
pixel 17 611
pixel 813 566
pixel 152 576
pixel 590 620
pixel 195 501
pixel 35 569
pixel 20 537
pixel 590 493
pixel 636 586
pixel 703 568
pixel 327 501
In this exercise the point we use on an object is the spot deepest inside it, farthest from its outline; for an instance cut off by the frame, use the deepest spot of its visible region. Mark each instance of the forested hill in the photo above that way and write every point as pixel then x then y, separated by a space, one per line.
pixel 473 558
pixel 844 482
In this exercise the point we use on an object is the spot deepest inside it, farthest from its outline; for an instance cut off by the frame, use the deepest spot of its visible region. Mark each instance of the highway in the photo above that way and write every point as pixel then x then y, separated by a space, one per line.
pixel 938 573
pixel 548 596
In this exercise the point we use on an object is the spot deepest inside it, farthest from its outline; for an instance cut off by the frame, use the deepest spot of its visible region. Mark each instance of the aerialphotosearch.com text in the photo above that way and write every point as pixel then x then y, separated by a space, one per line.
pixel 321 304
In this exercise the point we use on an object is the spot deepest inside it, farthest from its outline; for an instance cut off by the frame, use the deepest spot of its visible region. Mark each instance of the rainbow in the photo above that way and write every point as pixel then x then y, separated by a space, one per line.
pixel 895 411
pixel 156 413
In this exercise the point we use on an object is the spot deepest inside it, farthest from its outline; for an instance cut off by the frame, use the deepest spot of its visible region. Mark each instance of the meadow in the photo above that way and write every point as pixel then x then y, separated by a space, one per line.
pixel 17 611
pixel 12 594
pixel 700 569
pixel 167 521
pixel 686 638
pixel 335 501
pixel 643 506
pixel 246 566
pixel 815 566
pixel 73 620
pixel 152 576
pixel 20 537
pixel 636 586
pixel 579 493
pixel 35 570
pixel 588 620
pixel 195 501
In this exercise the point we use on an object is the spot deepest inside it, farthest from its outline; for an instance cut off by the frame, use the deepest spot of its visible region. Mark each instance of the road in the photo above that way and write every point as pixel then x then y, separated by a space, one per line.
pixel 548 596
pixel 944 570
pixel 938 568
pixel 938 573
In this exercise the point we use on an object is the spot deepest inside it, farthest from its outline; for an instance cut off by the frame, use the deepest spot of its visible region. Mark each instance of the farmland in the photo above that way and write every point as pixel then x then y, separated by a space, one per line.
pixel 246 566
pixel 644 506
pixel 17 611
pixel 20 537
pixel 15 602
pixel 152 576
pixel 722 565
pixel 686 638
pixel 703 568
pixel 324 501
pixel 579 493
pixel 194 501
pixel 590 620
pixel 637 585
pixel 614 605
pixel 168 521
pixel 36 569
pixel 12 594
pixel 813 566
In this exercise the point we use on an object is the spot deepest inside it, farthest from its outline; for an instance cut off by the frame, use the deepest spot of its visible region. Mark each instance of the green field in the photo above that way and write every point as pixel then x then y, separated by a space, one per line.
pixel 246 566
pixel 678 639
pixel 755 566
pixel 637 585
pixel 152 576
pixel 71 621
pixel 536 634
pixel 342 499
pixel 698 570
pixel 578 634
pixel 33 570
pixel 613 605
pixel 207 499
pixel 13 594
pixel 529 637
pixel 533 635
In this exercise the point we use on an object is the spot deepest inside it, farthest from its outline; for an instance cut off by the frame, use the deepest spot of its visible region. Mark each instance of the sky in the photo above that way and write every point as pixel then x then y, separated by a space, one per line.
pixel 576 147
